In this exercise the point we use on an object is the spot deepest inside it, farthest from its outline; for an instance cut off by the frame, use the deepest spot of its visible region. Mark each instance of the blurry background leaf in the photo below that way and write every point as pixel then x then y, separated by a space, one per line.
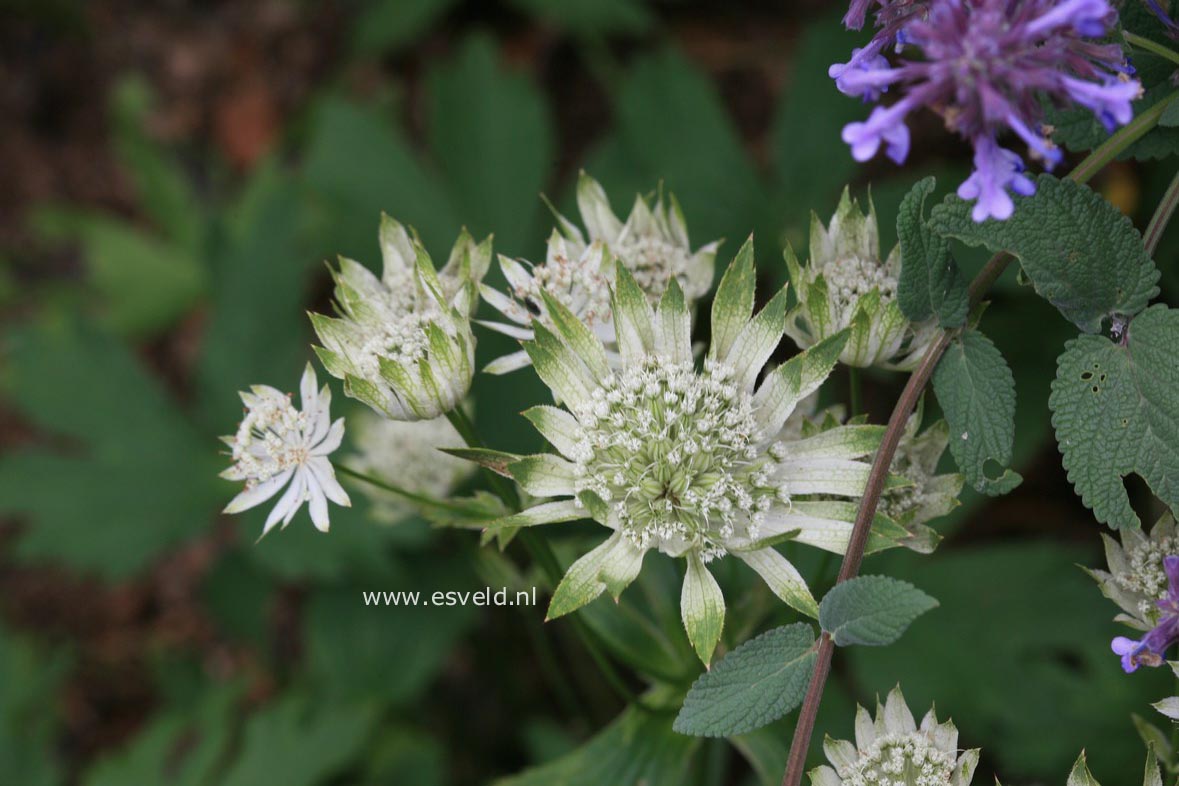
pixel 144 282
pixel 1020 646
pixel 489 133
pixel 384 26
pixel 28 681
pixel 596 17
pixel 132 469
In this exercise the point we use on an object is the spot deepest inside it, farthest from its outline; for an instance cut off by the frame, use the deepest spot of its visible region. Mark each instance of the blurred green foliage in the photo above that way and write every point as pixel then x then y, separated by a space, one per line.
pixel 121 468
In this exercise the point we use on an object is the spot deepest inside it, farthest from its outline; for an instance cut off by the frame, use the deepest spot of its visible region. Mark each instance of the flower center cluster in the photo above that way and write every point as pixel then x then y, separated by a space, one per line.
pixel 1145 575
pixel 270 439
pixel 396 330
pixel 575 284
pixel 674 453
pixel 850 278
pixel 900 760
pixel 654 261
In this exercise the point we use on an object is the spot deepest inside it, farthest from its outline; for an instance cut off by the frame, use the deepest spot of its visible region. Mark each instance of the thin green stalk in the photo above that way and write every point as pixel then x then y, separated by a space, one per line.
pixel 418 499
pixel 853 382
pixel 1153 47
pixel 853 557
pixel 1162 215
pixel 1118 143
pixel 543 555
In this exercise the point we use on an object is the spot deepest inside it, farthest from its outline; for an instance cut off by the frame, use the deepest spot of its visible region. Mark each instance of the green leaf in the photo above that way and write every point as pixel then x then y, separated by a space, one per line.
pixel 351 643
pixel 162 188
pixel 930 283
pixel 1115 408
pixel 753 685
pixel 299 742
pixel 358 163
pixel 977 393
pixel 809 117
pixel 385 26
pixel 591 17
pixel 871 610
pixel 491 136
pixel 139 478
pixel 251 339
pixel 181 747
pixel 637 749
pixel 30 679
pixel 1080 252
pixel 1042 651
pixel 144 282
pixel 673 128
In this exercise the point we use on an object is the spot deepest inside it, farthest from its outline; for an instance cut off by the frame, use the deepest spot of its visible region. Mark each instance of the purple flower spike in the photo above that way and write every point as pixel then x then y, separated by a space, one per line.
pixel 995 171
pixel 883 125
pixel 986 67
pixel 1152 648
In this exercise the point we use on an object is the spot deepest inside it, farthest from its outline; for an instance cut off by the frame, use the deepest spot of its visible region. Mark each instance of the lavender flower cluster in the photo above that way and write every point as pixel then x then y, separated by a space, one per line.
pixel 986 67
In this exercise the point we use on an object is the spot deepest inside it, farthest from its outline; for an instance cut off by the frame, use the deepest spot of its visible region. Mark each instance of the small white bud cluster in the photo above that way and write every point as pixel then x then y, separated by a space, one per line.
pixel 675 454
pixel 851 277
pixel 271 438
pixel 1144 573
pixel 654 261
pixel 576 283
pixel 900 760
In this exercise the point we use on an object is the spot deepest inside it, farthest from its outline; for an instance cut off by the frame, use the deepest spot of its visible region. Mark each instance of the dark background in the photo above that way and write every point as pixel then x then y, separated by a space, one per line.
pixel 175 174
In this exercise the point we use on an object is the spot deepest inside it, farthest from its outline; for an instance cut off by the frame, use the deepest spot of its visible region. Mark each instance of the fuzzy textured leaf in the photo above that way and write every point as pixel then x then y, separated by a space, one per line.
pixel 872 610
pixel 1081 253
pixel 930 284
pixel 1115 408
pixel 755 684
pixel 977 393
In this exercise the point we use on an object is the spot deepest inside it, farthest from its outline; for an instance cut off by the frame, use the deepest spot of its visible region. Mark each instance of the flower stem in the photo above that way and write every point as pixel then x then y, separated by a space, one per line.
pixel 1153 47
pixel 1162 215
pixel 418 499
pixel 541 553
pixel 1098 158
pixel 853 383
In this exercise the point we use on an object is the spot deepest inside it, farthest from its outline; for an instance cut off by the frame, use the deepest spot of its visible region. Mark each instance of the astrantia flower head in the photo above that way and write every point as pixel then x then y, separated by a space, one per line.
pixel 1136 580
pixel 928 495
pixel 1152 648
pixel 278 446
pixel 847 284
pixel 893 750
pixel 987 66
pixel 403 342
pixel 578 271
pixel 406 454
pixel 685 460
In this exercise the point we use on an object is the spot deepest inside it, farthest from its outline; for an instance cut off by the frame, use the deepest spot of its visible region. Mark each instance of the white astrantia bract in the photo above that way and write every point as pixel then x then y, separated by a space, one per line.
pixel 578 271
pixel 277 446
pixel 403 342
pixel 681 459
pixel 847 284
pixel 893 750
pixel 406 454
pixel 1136 580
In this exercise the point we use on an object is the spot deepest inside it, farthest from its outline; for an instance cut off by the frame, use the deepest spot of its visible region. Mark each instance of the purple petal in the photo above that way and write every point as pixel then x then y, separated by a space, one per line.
pixel 995 170
pixel 1126 648
pixel 1088 17
pixel 1171 566
pixel 883 125
pixel 1109 101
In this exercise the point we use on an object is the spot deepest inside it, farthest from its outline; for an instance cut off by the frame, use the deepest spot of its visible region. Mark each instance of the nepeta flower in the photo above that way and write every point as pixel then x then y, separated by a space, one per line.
pixel 893 750
pixel 987 67
pixel 279 446
pixel 406 454
pixel 1152 648
pixel 684 460
pixel 1164 17
pixel 403 342
pixel 847 284
pixel 652 244
pixel 1136 580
